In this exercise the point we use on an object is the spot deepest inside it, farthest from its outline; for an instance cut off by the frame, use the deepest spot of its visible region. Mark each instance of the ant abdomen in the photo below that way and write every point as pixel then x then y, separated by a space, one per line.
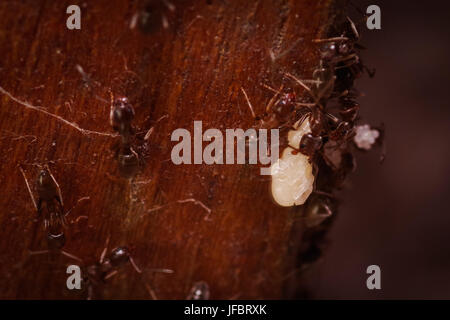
pixel 128 162
pixel 46 188
pixel 56 241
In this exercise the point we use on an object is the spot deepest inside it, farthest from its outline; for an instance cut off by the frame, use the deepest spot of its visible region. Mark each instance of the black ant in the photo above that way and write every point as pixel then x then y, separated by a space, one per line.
pixel 279 111
pixel 337 53
pixel 98 273
pixel 50 198
pixel 121 116
pixel 49 193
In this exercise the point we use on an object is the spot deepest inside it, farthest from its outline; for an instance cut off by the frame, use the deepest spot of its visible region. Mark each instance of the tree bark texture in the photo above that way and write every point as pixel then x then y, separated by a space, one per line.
pixel 176 62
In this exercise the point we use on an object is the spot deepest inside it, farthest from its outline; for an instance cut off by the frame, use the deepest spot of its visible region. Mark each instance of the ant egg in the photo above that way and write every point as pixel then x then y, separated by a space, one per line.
pixel 365 137
pixel 292 177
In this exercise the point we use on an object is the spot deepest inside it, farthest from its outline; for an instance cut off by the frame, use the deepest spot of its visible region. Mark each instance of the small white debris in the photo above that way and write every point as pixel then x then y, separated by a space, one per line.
pixel 292 177
pixel 365 137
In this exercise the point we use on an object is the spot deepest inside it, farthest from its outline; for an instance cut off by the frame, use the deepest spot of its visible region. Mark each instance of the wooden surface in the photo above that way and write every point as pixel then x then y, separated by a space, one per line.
pixel 215 223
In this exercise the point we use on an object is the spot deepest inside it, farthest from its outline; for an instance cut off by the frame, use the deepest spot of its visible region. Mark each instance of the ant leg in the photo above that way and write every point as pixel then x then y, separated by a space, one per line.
pixel 57 185
pixel 301 120
pixel 111 274
pixel 36 253
pixel 272 100
pixel 65 253
pixel 111 95
pixel 28 188
pixel 332 117
pixel 60 213
pixel 151 292
pixel 78 201
pixel 102 256
pixel 300 82
pixel 353 26
pixel 330 39
pixel 162 270
pixel 309 105
pixel 329 195
pixel 134 265
pixel 349 60
pixel 249 104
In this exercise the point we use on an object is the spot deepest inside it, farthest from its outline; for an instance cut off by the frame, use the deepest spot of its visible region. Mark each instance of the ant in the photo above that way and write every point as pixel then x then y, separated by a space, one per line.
pixel 50 198
pixel 199 291
pixel 319 119
pixel 338 53
pixel 279 111
pixel 342 55
pixel 121 116
pixel 49 193
pixel 108 265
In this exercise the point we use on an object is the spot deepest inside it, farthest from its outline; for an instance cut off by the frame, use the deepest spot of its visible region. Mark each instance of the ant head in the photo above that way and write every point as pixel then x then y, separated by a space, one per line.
pixel 44 177
pixel 119 256
pixel 122 111
pixel 309 144
pixel 344 48
pixel 286 104
pixel 288 99
pixel 328 51
pixel 318 209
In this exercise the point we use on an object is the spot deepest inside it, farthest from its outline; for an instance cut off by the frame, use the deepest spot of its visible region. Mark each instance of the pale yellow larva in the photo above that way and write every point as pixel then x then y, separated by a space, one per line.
pixel 292 176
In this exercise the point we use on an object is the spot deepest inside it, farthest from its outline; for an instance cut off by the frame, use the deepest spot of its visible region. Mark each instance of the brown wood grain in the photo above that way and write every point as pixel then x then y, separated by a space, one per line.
pixel 192 70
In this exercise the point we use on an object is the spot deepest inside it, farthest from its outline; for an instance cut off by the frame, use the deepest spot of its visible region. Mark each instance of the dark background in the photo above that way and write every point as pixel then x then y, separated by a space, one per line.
pixel 396 215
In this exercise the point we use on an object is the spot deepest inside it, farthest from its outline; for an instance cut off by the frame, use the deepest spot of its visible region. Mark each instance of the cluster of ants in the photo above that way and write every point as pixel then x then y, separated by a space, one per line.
pixel 332 84
pixel 332 111
pixel 49 206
